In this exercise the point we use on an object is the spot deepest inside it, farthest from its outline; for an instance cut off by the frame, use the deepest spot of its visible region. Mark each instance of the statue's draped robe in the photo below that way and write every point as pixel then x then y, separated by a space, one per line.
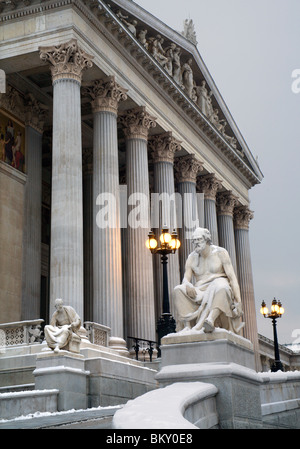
pixel 214 292
pixel 59 334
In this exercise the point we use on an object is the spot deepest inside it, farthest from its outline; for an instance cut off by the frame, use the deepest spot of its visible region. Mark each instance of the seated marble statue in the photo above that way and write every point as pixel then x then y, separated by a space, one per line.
pixel 214 298
pixel 63 328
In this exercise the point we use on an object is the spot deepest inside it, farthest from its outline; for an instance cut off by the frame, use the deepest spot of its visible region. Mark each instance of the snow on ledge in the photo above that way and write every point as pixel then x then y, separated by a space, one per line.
pixel 163 408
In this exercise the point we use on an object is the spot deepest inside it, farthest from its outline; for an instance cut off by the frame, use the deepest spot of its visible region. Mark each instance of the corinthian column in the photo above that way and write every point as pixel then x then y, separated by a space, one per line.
pixel 87 168
pixel 107 261
pixel 139 270
pixel 66 270
pixel 209 185
pixel 163 148
pixel 226 202
pixel 242 217
pixel 31 276
pixel 187 169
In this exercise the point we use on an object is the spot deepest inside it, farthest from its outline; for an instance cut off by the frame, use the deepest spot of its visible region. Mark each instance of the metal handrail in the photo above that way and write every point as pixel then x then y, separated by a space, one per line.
pixel 136 346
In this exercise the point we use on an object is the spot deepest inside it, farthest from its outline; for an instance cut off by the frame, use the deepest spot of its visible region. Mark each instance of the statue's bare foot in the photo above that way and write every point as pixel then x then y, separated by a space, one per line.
pixel 208 326
pixel 56 349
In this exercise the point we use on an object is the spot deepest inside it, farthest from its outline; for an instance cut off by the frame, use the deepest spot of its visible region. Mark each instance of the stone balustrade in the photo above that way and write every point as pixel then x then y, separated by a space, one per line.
pixel 21 333
pixel 97 333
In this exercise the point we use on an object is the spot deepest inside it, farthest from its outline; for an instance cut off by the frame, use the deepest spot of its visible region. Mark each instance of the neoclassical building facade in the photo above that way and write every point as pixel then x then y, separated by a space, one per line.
pixel 104 101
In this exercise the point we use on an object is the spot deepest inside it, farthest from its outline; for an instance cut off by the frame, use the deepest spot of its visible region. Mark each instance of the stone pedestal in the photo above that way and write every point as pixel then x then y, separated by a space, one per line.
pixel 65 372
pixel 222 359
pixel 219 346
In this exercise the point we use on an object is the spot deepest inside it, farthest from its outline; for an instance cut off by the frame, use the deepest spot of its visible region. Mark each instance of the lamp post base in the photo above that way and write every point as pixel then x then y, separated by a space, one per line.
pixel 277 366
pixel 165 325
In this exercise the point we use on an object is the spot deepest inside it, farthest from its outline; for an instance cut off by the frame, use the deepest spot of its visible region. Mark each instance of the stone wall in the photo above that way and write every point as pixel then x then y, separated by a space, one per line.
pixel 11 237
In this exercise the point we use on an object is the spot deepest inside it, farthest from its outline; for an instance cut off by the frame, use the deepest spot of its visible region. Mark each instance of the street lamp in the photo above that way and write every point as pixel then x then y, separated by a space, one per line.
pixel 276 312
pixel 169 244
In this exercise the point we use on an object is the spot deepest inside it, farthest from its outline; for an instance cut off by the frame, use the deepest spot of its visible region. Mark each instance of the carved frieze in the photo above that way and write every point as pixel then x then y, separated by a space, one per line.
pixel 13 102
pixel 35 113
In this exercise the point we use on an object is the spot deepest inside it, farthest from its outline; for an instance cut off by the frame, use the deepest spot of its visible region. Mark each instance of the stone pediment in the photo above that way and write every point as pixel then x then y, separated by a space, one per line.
pixel 153 44
pixel 173 62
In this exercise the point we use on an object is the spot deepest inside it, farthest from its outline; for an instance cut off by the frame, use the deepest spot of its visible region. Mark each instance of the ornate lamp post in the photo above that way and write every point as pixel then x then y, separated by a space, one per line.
pixel 169 243
pixel 276 312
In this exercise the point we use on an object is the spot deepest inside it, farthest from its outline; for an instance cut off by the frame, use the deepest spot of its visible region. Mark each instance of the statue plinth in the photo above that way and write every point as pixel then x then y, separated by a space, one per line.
pixel 64 371
pixel 220 346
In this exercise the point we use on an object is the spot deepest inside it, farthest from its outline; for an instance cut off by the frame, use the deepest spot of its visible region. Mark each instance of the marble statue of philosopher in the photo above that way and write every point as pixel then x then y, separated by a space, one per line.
pixel 213 299
pixel 63 330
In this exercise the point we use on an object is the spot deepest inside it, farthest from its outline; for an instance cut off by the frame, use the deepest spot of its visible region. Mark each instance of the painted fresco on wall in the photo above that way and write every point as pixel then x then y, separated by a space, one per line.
pixel 12 141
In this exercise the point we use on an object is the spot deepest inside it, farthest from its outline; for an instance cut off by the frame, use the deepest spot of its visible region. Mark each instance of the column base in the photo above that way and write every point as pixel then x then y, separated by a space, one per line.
pixel 119 345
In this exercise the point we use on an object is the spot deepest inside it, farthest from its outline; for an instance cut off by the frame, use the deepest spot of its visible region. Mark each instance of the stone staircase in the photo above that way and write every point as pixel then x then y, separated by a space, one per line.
pixel 112 380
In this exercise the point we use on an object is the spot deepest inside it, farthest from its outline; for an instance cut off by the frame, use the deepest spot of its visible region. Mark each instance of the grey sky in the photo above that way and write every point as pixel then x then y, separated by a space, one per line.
pixel 251 49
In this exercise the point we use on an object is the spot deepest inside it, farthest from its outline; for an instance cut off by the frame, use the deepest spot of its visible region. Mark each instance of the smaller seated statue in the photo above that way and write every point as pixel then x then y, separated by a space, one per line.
pixel 63 330
pixel 213 299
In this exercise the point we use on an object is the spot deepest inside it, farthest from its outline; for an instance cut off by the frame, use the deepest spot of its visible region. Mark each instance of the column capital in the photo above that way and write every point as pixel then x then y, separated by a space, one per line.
pixel 105 94
pixel 242 216
pixel 137 122
pixel 226 202
pixel 187 168
pixel 163 147
pixel 35 113
pixel 209 185
pixel 67 60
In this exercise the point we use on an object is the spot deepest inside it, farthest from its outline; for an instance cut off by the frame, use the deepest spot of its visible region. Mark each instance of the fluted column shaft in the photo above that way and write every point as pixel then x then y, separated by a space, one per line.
pixel 140 289
pixel 226 202
pixel 139 295
pixel 186 171
pixel 88 232
pixel 107 260
pixel 107 241
pixel 31 288
pixel 209 185
pixel 242 216
pixel 66 271
pixel 163 148
pixel 66 263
